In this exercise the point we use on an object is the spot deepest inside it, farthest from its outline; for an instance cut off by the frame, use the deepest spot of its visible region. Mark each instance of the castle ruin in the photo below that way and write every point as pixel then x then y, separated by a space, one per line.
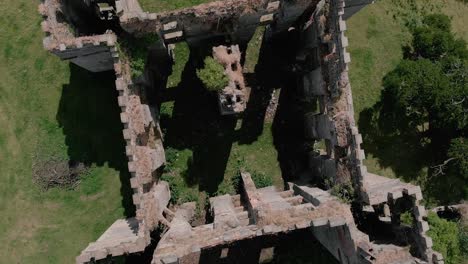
pixel 318 60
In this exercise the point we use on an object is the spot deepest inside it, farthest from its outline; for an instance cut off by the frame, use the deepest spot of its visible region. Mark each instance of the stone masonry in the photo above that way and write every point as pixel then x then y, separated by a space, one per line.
pixel 255 213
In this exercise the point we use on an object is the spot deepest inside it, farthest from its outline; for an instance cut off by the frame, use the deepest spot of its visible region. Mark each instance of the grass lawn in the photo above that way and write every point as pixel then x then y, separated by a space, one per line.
pixel 375 41
pixel 50 108
pixel 156 6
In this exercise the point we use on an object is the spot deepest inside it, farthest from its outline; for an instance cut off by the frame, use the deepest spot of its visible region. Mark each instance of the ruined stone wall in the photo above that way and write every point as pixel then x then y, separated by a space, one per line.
pixel 90 52
pixel 260 213
pixel 144 148
pixel 236 19
pixel 343 161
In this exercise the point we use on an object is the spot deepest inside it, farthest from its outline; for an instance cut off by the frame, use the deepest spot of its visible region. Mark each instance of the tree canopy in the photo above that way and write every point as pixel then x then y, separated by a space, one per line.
pixel 434 39
pixel 425 101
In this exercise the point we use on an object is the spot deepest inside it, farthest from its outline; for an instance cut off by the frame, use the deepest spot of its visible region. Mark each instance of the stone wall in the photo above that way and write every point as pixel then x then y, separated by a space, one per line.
pixel 255 213
pixel 343 161
pixel 90 52
pixel 233 19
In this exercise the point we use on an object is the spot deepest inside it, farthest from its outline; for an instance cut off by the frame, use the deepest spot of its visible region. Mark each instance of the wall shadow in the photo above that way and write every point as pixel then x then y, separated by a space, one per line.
pixel 298 246
pixel 197 125
pixel 276 68
pixel 89 116
pixel 253 118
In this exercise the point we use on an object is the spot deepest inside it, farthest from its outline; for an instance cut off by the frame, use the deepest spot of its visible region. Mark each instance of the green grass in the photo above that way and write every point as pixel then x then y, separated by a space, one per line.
pixel 36 90
pixel 253 50
pixel 181 56
pixel 375 44
pixel 156 6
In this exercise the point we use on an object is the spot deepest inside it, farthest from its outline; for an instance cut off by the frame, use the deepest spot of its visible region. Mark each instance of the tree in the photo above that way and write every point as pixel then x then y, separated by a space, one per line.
pixel 418 95
pixel 424 103
pixel 212 75
pixel 434 39
pixel 432 87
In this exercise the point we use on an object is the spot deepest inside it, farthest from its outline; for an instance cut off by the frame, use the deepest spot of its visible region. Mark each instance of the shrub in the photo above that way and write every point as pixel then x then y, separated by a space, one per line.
pixel 212 75
pixel 444 234
pixel 463 239
pixel 137 51
pixel 407 218
pixel 261 180
pixel 344 192
pixel 171 157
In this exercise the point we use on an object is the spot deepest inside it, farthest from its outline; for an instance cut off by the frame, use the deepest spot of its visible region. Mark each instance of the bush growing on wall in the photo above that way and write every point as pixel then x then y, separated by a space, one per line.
pixel 261 180
pixel 137 51
pixel 212 75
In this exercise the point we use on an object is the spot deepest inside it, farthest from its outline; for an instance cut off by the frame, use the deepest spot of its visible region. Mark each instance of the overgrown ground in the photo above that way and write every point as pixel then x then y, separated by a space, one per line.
pixel 156 6
pixel 207 150
pixel 376 40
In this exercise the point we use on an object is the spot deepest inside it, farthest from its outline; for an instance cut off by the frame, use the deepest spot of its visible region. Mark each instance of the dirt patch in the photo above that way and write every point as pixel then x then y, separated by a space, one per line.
pixel 57 172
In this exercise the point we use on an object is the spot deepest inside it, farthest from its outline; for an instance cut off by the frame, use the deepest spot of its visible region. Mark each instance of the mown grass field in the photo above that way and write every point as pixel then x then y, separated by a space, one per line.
pixel 48 107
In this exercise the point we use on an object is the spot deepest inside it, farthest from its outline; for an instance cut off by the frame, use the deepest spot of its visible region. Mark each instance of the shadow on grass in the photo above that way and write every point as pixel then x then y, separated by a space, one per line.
pixel 408 154
pixel 276 70
pixel 387 140
pixel 89 116
pixel 197 125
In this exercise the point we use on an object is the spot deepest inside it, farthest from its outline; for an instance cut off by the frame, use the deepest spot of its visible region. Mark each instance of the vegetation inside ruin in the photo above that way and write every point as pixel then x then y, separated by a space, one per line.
pixel 157 6
pixel 253 50
pixel 136 50
pixel 407 218
pixel 212 75
pixel 344 191
pixel 195 179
